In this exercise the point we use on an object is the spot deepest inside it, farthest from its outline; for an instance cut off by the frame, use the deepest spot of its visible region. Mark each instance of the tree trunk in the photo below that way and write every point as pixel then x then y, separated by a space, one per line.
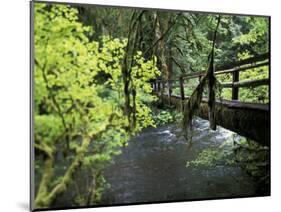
pixel 159 50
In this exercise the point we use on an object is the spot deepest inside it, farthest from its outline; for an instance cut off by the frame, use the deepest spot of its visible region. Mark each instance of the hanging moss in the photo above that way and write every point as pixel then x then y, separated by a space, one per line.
pixel 193 103
pixel 191 106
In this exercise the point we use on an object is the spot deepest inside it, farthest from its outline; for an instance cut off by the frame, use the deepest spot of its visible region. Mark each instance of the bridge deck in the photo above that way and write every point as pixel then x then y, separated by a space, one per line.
pixel 234 103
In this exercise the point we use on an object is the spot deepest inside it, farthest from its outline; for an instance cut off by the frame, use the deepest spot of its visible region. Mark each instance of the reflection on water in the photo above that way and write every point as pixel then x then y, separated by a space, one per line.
pixel 153 168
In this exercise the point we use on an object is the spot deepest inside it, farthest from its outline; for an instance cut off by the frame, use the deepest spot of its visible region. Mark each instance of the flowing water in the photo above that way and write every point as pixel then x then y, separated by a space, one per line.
pixel 152 168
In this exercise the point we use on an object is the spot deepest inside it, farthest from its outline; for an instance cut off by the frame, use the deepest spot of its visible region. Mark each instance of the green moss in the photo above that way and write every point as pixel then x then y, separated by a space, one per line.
pixel 213 156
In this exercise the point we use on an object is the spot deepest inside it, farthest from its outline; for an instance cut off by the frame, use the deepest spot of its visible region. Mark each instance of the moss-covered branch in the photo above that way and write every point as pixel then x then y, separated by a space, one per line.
pixel 48 173
pixel 62 186
pixel 45 196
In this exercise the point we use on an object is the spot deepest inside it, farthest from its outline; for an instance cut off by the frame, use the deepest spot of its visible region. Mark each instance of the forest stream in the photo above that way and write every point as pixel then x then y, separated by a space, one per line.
pixel 153 167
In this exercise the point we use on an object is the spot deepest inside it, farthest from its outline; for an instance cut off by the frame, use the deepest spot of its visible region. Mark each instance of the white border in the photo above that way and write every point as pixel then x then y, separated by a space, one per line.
pixel 14 103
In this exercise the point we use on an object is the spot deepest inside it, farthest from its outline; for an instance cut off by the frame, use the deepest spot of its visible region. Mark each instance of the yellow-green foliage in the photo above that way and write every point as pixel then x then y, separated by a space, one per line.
pixel 259 27
pixel 72 101
pixel 211 157
pixel 257 94
pixel 257 34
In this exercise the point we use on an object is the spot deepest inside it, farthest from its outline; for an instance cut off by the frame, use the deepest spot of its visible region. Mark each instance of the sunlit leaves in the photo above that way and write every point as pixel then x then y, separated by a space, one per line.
pixel 47 128
pixel 259 28
pixel 79 87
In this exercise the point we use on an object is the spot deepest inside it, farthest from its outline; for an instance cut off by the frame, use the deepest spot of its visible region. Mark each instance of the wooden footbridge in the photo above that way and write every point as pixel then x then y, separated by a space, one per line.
pixel 251 120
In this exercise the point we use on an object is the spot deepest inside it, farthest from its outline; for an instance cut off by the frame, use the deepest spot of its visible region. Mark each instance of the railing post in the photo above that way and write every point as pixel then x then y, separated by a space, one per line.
pixel 158 86
pixel 162 90
pixel 153 86
pixel 182 92
pixel 170 90
pixel 235 90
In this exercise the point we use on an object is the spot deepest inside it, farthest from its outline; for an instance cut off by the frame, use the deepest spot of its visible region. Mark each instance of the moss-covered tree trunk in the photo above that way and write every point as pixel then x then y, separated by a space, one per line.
pixel 47 195
pixel 160 52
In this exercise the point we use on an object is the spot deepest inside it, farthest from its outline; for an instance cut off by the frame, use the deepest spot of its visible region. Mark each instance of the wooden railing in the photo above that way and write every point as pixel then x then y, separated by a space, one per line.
pixel 236 68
